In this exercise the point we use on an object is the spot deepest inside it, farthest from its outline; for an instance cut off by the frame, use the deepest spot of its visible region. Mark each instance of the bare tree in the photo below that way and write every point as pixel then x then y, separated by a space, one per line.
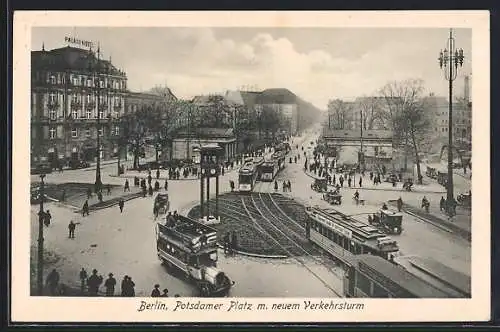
pixel 372 111
pixel 408 115
pixel 339 114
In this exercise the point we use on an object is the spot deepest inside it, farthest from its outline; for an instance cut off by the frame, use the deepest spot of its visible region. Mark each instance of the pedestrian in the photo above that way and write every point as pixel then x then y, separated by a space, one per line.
pixel 144 192
pixel 400 204
pixel 289 185
pixel 275 185
pixel 360 181
pixel 63 195
pixel 99 196
pixel 71 228
pixel 150 190
pixel 110 285
pixel 93 282
pixel 234 242
pixel 130 287
pixel 349 181
pixel 166 185
pixel 125 286
pixel 231 184
pixel 47 218
pixel 165 293
pixel 150 178
pixel 53 281
pixel 108 189
pixel 156 291
pixel 341 180
pixel 442 204
pixel 121 203
pixel 83 280
pixel 157 173
pixel 371 175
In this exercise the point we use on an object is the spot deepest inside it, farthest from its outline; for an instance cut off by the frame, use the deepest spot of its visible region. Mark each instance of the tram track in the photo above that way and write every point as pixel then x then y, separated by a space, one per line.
pixel 300 261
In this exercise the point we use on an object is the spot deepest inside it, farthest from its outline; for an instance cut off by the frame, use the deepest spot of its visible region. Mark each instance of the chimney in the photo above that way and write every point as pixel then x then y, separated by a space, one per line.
pixel 467 88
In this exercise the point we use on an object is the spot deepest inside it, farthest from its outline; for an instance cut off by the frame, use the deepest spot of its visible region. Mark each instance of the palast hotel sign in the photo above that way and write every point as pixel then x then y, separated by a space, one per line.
pixel 79 42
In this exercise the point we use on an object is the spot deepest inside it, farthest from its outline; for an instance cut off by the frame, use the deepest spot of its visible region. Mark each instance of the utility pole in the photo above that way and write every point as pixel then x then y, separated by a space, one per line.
pixel 98 182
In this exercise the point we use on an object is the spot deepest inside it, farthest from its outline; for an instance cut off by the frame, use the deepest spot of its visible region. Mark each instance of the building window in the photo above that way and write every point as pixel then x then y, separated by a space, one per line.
pixel 101 114
pixel 74 114
pixel 52 133
pixel 53 79
pixel 89 82
pixel 52 114
pixel 89 114
pixel 87 132
pixel 100 131
pixel 74 132
pixel 117 131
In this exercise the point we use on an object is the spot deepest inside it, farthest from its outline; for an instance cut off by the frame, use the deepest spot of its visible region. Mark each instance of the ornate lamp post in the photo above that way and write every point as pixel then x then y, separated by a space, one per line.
pixel 449 60
pixel 40 237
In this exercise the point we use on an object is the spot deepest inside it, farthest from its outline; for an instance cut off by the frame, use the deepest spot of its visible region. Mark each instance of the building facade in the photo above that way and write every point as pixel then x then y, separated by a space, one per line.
pixel 346 144
pixel 75 96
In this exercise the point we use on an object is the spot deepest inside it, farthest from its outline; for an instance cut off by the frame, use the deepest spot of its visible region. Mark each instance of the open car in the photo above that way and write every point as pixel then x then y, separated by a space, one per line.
pixel 464 199
pixel 319 185
pixel 388 221
pixel 333 197
pixel 162 203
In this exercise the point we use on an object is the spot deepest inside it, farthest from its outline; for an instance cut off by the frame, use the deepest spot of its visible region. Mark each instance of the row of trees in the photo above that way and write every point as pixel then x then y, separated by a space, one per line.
pixel 401 107
pixel 157 123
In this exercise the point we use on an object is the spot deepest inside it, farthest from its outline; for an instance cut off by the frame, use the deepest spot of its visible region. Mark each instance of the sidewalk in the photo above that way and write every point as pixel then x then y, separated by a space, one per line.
pixel 130 174
pixel 432 188
pixel 460 224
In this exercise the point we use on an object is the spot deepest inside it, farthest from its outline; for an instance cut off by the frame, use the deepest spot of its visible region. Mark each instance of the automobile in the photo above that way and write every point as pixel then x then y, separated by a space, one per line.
pixel 41 168
pixel 78 164
pixel 162 203
pixel 391 178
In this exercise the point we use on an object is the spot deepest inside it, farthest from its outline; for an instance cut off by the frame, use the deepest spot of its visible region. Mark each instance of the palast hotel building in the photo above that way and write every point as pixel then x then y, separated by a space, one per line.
pixel 75 96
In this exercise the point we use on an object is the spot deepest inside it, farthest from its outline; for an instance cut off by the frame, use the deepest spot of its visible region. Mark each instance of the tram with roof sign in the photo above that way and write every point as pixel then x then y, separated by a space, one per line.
pixel 249 173
pixel 190 247
pixel 270 168
pixel 344 237
pixel 375 277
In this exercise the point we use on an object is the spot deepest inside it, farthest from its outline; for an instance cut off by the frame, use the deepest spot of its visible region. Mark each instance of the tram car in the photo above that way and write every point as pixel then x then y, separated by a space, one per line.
pixel 249 173
pixel 387 221
pixel 269 169
pixel 344 238
pixel 375 277
pixel 191 248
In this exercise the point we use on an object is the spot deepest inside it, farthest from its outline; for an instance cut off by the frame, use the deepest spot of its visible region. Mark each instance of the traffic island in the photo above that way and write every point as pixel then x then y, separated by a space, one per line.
pixel 273 227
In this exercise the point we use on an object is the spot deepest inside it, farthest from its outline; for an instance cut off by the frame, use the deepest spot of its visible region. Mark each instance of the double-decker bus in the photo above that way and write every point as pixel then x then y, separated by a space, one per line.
pixel 269 169
pixel 372 276
pixel 249 173
pixel 343 237
pixel 191 247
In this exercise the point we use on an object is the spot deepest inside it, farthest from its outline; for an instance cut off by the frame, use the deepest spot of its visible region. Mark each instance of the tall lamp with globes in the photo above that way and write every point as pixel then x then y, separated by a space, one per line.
pixel 449 60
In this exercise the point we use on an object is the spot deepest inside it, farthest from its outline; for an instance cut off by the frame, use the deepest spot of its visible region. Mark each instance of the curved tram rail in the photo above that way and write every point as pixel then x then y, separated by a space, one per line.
pixel 277 226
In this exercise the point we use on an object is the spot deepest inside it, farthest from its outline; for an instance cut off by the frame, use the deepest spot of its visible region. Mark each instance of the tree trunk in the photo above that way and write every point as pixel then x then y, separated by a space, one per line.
pixel 417 158
pixel 136 156
pixel 406 153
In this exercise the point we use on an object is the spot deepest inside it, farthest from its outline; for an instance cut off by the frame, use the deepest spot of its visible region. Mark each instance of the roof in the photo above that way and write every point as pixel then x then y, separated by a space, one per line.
pixel 398 277
pixel 277 96
pixel 356 134
pixel 249 98
pixel 71 58
pixel 438 273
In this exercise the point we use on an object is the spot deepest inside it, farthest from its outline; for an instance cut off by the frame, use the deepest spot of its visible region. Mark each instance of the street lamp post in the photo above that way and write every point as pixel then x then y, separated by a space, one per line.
pixel 40 238
pixel 450 58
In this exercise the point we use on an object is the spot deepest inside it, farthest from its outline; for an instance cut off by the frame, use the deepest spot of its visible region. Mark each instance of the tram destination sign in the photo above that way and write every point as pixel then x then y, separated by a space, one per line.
pixel 79 42
pixel 335 227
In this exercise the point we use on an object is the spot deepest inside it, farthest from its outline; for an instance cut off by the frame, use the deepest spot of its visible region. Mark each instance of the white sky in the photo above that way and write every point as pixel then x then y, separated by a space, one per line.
pixel 317 64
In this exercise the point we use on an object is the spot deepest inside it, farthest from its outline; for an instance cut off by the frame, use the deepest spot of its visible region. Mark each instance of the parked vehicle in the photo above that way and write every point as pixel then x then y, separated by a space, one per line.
pixel 41 168
pixel 333 197
pixel 78 164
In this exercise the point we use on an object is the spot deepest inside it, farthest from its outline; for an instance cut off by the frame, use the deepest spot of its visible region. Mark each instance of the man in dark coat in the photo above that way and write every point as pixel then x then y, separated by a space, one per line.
pixel 71 228
pixel 400 204
pixel 121 203
pixel 47 218
pixel 156 291
pixel 53 281
pixel 110 285
pixel 93 282
pixel 127 186
pixel 158 173
pixel 83 279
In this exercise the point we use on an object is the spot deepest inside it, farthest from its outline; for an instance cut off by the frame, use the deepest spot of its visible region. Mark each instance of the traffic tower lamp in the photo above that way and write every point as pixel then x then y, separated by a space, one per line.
pixel 449 60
